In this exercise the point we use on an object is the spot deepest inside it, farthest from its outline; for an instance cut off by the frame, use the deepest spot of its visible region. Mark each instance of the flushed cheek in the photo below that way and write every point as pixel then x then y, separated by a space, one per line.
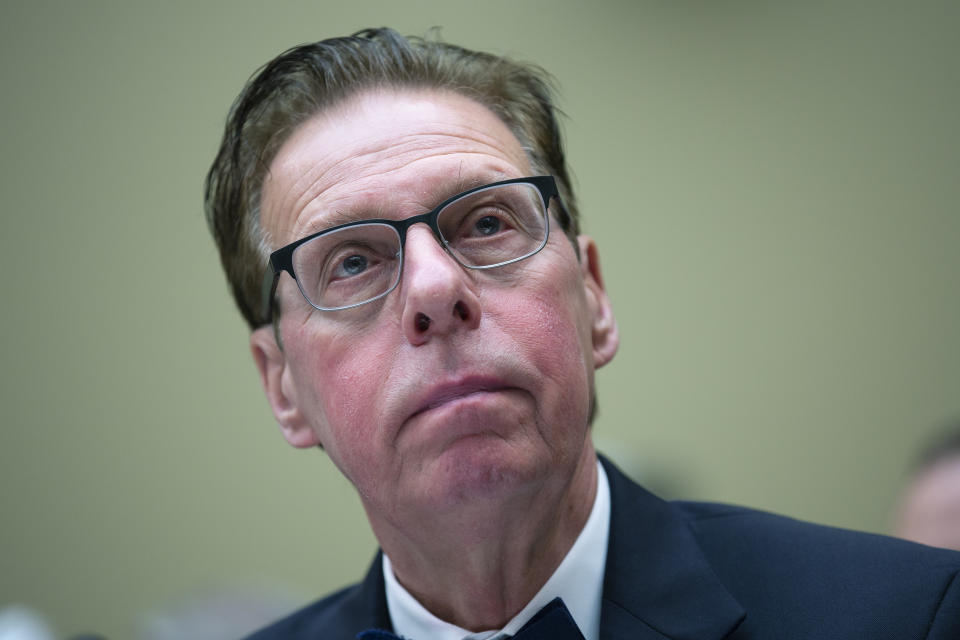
pixel 557 345
pixel 557 311
pixel 350 395
pixel 340 386
pixel 352 438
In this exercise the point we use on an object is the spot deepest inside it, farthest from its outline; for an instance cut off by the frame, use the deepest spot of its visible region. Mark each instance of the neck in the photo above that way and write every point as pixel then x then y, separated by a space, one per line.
pixel 478 565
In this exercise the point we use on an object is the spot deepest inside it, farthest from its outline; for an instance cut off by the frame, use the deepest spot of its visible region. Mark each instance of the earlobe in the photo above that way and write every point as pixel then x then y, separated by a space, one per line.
pixel 604 332
pixel 275 376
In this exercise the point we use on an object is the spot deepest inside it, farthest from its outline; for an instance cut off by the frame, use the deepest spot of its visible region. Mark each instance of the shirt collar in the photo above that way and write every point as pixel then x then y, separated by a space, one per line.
pixel 578 580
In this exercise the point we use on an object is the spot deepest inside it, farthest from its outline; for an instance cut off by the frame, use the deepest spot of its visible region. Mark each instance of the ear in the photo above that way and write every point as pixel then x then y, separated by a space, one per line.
pixel 278 385
pixel 606 336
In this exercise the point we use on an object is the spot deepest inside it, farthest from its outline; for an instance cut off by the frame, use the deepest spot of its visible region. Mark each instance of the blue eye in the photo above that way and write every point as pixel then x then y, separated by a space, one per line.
pixel 354 265
pixel 488 225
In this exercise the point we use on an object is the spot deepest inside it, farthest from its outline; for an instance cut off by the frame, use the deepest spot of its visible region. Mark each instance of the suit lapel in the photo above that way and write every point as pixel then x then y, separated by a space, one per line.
pixel 658 583
pixel 375 585
pixel 366 608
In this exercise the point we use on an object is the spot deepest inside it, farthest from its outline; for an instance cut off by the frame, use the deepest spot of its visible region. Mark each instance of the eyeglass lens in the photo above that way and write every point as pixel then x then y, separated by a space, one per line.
pixel 362 262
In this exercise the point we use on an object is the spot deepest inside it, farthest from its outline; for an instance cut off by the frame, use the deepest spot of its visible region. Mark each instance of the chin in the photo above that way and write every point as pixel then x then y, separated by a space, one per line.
pixel 479 468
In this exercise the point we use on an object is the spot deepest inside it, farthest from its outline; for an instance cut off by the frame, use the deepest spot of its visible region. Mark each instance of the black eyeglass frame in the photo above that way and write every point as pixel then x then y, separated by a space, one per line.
pixel 282 259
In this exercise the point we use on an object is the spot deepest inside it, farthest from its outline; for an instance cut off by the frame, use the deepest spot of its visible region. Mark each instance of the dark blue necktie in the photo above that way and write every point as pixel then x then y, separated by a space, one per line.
pixel 553 622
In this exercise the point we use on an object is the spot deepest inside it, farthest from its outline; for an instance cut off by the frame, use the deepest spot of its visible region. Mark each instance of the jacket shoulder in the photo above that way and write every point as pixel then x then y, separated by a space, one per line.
pixel 731 530
pixel 788 579
pixel 789 569
pixel 313 621
pixel 340 615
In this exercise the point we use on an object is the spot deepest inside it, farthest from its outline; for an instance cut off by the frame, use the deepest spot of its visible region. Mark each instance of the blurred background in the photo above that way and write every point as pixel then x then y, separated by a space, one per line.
pixel 773 187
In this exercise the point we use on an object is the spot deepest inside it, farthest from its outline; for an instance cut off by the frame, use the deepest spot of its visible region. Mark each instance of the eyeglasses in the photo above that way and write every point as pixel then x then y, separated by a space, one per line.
pixel 359 262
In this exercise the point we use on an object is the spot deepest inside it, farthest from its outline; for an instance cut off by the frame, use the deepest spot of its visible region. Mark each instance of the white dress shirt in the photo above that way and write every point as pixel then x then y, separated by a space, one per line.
pixel 578 580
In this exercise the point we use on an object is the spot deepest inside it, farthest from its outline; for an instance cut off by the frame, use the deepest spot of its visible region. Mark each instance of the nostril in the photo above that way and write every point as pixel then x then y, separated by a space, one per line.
pixel 461 311
pixel 422 322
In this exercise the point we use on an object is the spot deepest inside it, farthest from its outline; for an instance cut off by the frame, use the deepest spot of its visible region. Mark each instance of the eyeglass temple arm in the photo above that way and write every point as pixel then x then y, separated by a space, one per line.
pixel 270 279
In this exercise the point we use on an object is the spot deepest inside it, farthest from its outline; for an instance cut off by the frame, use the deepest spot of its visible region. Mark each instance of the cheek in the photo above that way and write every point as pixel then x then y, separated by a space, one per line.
pixel 553 337
pixel 551 327
pixel 339 385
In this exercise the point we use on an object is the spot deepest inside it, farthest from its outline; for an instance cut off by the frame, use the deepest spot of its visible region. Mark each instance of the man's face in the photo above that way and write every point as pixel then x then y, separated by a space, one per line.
pixel 488 396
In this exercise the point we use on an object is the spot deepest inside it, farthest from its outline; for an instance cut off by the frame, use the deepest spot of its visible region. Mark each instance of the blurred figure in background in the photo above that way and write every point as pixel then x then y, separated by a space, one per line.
pixel 18 622
pixel 220 613
pixel 929 510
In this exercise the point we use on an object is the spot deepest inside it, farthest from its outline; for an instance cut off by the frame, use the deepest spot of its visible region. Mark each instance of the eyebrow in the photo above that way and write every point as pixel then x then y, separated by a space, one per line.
pixel 336 217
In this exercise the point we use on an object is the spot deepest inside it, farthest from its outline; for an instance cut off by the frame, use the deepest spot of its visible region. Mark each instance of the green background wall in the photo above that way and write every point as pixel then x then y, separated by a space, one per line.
pixel 773 186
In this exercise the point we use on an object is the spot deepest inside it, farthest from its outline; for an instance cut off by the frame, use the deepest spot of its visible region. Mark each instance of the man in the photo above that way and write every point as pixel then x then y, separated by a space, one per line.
pixel 396 219
pixel 929 510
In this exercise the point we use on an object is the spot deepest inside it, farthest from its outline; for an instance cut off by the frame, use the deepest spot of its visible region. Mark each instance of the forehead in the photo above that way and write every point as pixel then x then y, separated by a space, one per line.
pixel 384 153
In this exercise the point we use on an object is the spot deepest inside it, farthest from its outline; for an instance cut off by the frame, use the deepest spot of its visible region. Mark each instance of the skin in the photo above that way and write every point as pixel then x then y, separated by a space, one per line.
pixel 930 509
pixel 467 439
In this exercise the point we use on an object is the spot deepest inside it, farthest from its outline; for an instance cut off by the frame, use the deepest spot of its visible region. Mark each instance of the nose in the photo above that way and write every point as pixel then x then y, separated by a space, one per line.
pixel 438 296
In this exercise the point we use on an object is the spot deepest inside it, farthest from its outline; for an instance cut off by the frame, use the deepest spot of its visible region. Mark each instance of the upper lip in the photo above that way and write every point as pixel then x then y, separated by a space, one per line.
pixel 444 392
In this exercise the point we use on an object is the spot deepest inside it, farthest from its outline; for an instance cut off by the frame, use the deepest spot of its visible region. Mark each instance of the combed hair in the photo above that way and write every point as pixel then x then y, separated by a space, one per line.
pixel 311 78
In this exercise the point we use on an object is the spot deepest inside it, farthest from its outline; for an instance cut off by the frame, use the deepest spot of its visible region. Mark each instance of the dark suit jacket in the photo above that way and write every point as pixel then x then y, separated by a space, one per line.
pixel 695 571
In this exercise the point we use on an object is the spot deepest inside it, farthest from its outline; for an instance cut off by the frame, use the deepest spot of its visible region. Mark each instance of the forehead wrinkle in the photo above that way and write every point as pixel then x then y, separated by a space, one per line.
pixel 355 203
pixel 367 203
pixel 383 148
pixel 294 198
pixel 317 175
pixel 415 143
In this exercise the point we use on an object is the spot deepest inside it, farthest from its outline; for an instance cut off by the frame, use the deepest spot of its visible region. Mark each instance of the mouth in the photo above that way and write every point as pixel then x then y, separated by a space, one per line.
pixel 446 394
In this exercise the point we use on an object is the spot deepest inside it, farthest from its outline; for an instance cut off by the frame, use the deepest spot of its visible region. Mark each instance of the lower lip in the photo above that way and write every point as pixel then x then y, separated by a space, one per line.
pixel 447 412
pixel 467 398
